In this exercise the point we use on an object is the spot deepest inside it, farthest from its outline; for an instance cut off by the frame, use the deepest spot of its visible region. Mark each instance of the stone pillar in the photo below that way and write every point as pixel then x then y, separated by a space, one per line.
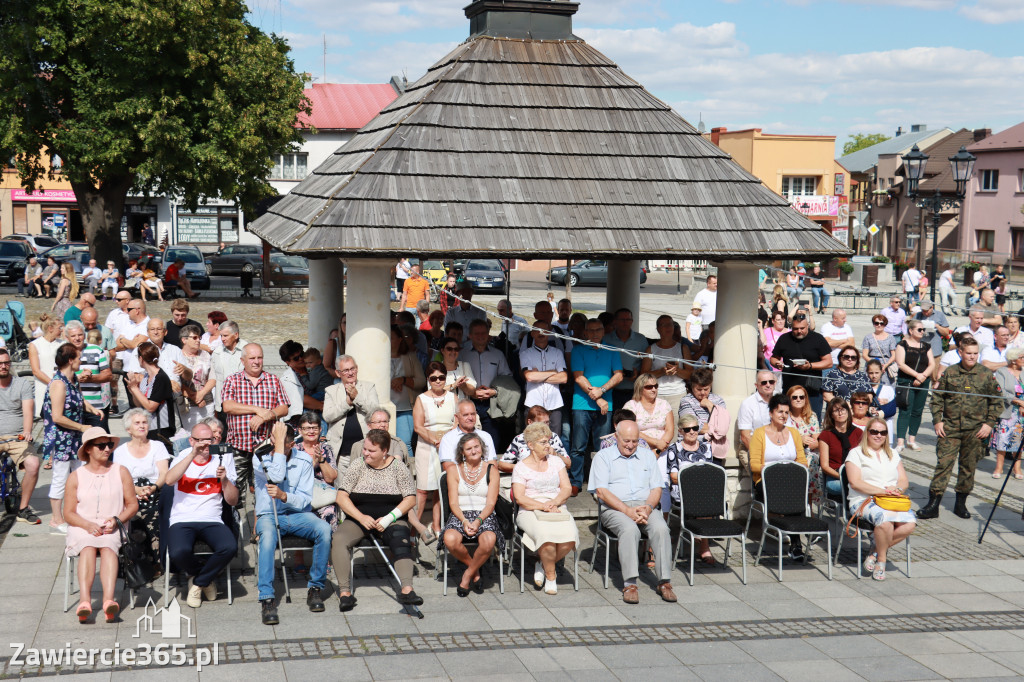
pixel 6 213
pixel 326 299
pixel 369 324
pixel 623 289
pixel 34 213
pixel 736 350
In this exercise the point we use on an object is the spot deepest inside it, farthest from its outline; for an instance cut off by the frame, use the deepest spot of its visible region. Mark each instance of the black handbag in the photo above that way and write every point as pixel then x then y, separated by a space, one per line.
pixel 135 568
pixel 902 396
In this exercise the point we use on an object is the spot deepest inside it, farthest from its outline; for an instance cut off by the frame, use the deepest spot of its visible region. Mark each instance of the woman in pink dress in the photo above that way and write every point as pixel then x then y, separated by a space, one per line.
pixel 96 494
pixel 653 415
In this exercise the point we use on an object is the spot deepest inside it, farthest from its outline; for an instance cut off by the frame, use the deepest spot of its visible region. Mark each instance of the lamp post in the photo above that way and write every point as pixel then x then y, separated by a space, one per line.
pixel 962 164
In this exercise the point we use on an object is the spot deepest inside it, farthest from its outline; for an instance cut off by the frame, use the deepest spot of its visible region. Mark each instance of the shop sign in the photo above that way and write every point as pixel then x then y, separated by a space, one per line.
pixel 817 205
pixel 47 195
pixel 840 183
pixel 842 234
pixel 200 229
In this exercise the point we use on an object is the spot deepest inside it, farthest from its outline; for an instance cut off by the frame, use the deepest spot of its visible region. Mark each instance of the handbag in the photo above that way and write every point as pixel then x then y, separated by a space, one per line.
pixel 897 503
pixel 323 495
pixel 902 396
pixel 135 568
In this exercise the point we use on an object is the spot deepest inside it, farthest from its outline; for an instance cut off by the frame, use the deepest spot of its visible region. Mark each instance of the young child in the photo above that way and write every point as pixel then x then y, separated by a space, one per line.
pixel 694 323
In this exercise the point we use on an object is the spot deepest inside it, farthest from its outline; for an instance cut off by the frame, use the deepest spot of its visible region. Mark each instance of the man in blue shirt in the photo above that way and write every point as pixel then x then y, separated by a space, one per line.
pixel 595 371
pixel 287 482
pixel 628 483
pixel 624 337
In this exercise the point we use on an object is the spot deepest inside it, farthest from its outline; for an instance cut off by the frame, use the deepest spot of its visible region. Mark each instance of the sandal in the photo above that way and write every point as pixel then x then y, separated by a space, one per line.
pixel 48 465
pixel 83 612
pixel 650 558
pixel 1018 476
pixel 878 573
pixel 913 446
pixel 707 558
pixel 997 474
pixel 871 562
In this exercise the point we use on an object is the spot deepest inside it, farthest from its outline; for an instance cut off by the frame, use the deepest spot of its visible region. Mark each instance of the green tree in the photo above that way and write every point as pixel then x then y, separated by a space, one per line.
pixel 858 142
pixel 180 98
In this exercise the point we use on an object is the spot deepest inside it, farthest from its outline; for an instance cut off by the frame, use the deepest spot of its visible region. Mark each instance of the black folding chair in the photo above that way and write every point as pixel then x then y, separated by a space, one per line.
pixel 703 512
pixel 862 527
pixel 442 551
pixel 785 510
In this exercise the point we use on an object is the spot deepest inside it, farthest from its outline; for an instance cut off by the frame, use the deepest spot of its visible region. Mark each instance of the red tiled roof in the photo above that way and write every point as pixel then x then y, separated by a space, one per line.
pixel 1011 138
pixel 345 106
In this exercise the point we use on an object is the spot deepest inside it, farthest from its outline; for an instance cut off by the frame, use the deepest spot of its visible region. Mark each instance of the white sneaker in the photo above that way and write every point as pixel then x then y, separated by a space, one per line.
pixel 210 592
pixel 550 587
pixel 538 574
pixel 195 596
pixel 62 529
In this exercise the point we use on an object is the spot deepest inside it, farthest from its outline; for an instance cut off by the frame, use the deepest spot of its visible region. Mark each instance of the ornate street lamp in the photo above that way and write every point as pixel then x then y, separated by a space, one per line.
pixel 962 164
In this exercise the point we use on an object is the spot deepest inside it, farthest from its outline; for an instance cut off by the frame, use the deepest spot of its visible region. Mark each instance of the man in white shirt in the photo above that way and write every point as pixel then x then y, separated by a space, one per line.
pixel 91 276
pixel 947 290
pixel 753 412
pixel 911 281
pixel 543 369
pixel 486 363
pixel 513 332
pixel 465 422
pixel 132 331
pixel 226 359
pixel 464 312
pixel 995 357
pixel 837 333
pixel 708 300
pixel 983 335
pixel 170 356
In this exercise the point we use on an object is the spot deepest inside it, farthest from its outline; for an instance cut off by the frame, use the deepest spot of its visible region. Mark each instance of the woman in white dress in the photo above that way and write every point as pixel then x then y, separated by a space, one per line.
pixel 146 461
pixel 433 416
pixel 540 486
pixel 41 354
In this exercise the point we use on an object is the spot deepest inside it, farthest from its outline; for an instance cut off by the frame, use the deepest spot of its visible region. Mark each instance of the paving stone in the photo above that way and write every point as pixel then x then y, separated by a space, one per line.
pixel 916 643
pixel 790 608
pixel 479 663
pixel 698 653
pixel 634 656
pixel 405 666
pixel 802 671
pixel 724 611
pixel 749 672
pixel 601 675
pixel 886 668
pixel 768 650
pixel 558 659
pixel 271 671
pixel 854 606
pixel 676 672
pixel 989 640
pixel 349 669
pixel 589 616
pixel 963 665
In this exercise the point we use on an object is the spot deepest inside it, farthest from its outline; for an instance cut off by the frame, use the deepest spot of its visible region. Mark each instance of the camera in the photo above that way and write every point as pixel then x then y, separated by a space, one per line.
pixel 221 449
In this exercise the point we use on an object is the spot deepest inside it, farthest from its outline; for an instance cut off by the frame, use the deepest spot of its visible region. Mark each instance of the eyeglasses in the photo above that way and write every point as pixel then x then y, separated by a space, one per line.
pixel 294 358
pixel 838 408
pixel 651 387
pixel 878 432
pixel 452 349
pixel 104 445
pixel 848 357
pixel 799 317
pixel 137 307
pixel 767 382
pixel 5 363
pixel 203 440
pixel 350 370
pixel 689 429
pixel 438 377
pixel 798 397
pixel 878 323
pixel 917 329
pixel 861 402
pixel 309 429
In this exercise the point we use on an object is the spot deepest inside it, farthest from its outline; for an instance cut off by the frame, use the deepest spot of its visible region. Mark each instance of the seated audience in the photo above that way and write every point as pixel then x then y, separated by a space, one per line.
pixel 653 415
pixel 147 462
pixel 685 452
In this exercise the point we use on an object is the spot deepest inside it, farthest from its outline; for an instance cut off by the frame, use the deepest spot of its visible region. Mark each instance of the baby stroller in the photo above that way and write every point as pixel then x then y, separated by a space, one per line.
pixel 12 329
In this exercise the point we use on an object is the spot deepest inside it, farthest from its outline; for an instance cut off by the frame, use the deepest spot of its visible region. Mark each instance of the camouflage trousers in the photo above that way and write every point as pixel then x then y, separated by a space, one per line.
pixel 964 449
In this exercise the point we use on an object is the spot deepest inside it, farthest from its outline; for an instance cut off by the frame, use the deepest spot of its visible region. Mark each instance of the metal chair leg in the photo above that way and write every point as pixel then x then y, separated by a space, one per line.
pixel 780 557
pixel 575 569
pixel 743 558
pixel 692 543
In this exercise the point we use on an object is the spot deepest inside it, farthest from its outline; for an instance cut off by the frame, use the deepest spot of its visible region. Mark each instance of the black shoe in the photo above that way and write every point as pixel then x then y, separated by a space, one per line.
pixel 930 510
pixel 26 515
pixel 797 554
pixel 462 591
pixel 314 601
pixel 346 603
pixel 410 598
pixel 269 612
pixel 478 585
pixel 960 507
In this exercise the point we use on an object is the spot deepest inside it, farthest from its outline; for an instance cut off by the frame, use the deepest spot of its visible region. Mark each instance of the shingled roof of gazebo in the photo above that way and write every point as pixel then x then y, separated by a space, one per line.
pixel 535 149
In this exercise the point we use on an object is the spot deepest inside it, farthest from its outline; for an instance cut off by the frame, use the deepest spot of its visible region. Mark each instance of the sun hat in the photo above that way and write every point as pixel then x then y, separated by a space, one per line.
pixel 91 434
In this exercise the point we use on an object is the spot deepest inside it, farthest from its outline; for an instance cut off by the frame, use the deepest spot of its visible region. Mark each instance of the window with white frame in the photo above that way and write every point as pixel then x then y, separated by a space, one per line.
pixel 289 167
pixel 798 186
pixel 990 180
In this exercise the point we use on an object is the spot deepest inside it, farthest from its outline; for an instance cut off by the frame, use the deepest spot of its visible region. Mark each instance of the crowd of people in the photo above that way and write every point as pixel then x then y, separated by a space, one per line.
pixel 501 423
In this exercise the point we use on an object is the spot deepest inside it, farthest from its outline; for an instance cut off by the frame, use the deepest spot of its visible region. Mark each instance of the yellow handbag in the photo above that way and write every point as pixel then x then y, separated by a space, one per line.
pixel 896 503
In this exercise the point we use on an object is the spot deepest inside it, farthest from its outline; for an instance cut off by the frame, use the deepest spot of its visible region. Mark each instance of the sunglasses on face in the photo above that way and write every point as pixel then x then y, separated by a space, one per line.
pixel 451 349
pixel 848 357
pixel 690 429
pixel 294 358
pixel 876 323
pixel 798 397
pixel 767 382
pixel 651 387
pixel 437 377
pixel 861 402
pixel 104 445
pixel 878 432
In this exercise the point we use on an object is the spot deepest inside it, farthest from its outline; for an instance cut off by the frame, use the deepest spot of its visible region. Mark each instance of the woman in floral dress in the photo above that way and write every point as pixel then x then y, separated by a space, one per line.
pixel 803 419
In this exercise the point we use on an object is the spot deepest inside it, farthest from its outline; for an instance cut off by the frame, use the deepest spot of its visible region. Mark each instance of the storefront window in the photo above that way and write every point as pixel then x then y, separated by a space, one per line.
pixel 208 225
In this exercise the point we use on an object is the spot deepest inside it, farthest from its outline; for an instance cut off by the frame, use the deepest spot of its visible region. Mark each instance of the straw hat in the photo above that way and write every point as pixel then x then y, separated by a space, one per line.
pixel 91 434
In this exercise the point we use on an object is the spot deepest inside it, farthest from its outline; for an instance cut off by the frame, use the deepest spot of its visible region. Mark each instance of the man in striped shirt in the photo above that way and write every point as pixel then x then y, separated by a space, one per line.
pixel 94 374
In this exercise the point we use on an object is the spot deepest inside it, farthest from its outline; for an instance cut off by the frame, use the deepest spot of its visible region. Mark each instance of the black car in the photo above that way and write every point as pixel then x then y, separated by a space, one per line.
pixel 14 255
pixel 485 275
pixel 592 272
pixel 288 271
pixel 236 259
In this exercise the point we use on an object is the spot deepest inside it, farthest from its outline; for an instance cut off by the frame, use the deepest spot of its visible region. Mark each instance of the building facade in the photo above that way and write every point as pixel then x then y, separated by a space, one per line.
pixel 993 211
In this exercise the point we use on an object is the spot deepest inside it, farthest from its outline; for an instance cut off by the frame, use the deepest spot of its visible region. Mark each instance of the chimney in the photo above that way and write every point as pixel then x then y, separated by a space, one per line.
pixel 981 133
pixel 523 19
pixel 918 128
pixel 899 131
pixel 716 134
pixel 399 84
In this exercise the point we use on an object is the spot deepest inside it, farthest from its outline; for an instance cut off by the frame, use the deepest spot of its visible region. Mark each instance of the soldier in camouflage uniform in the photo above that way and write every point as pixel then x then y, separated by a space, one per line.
pixel 963 424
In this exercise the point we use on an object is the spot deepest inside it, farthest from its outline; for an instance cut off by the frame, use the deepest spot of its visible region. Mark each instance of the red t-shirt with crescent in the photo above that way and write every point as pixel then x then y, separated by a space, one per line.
pixel 197 494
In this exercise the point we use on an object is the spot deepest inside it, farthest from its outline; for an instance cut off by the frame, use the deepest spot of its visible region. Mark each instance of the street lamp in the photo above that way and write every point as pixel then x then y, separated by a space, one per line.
pixel 962 164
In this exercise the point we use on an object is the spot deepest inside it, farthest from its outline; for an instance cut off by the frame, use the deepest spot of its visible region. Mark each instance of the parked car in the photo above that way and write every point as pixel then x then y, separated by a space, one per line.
pixel 38 242
pixel 587 272
pixel 69 251
pixel 236 259
pixel 195 266
pixel 14 255
pixel 435 271
pixel 485 275
pixel 288 271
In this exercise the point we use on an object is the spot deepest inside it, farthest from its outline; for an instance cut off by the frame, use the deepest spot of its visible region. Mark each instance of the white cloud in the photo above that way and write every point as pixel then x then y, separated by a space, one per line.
pixel 379 16
pixel 994 11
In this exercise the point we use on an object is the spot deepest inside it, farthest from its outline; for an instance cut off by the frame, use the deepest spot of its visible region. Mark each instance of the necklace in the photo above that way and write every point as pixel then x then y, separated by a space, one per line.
pixel 777 438
pixel 472 476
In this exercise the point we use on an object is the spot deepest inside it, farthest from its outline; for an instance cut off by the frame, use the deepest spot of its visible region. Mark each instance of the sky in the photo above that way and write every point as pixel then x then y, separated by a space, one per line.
pixel 816 67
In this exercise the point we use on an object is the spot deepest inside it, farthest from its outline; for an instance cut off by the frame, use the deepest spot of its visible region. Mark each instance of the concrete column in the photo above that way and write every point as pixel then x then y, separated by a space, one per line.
pixel 326 299
pixel 736 350
pixel 369 324
pixel 623 289
pixel 35 218
pixel 6 213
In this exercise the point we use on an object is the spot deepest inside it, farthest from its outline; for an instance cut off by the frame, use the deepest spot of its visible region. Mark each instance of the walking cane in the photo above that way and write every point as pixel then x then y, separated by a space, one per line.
pixel 411 609
pixel 1016 458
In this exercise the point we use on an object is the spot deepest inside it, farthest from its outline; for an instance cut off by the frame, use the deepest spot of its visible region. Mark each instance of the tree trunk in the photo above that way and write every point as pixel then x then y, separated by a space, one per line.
pixel 101 210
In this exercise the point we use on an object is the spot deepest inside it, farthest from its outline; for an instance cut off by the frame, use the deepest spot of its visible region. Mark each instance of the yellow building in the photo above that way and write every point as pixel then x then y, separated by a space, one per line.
pixel 50 208
pixel 801 168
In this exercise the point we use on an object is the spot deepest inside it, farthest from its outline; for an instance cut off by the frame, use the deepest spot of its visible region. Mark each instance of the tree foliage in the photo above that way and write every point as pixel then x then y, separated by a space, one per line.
pixel 181 98
pixel 862 141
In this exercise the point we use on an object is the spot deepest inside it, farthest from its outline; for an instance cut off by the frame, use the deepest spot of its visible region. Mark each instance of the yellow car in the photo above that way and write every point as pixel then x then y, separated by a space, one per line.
pixel 436 272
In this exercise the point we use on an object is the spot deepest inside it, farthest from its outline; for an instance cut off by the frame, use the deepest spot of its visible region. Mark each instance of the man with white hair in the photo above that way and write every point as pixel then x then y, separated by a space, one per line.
pixel 753 412
pixel 226 359
pixel 347 406
pixel 91 275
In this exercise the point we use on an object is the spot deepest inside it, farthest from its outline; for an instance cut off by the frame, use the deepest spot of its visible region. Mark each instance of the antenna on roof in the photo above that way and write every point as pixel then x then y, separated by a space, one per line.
pixel 325 57
pixel 701 128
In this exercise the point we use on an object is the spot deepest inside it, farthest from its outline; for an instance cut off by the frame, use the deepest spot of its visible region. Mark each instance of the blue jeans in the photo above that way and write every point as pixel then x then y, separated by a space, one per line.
pixel 832 485
pixel 403 429
pixel 587 428
pixel 820 297
pixel 912 298
pixel 305 525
